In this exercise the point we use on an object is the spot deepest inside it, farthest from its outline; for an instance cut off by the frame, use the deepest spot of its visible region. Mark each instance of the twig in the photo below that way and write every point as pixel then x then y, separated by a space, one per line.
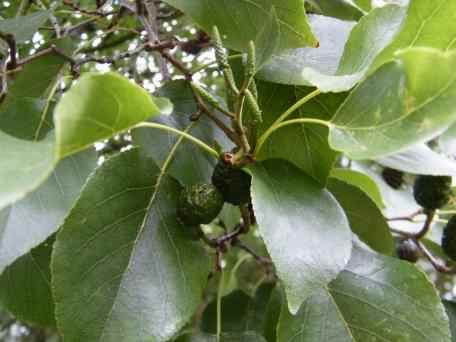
pixel 410 217
pixel 9 39
pixel 257 257
pixel 430 215
pixel 77 8
pixel 437 263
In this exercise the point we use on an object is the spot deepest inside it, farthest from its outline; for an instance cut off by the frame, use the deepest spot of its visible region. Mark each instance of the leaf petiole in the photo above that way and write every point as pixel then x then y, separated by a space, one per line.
pixel 185 135
pixel 275 127
pixel 219 304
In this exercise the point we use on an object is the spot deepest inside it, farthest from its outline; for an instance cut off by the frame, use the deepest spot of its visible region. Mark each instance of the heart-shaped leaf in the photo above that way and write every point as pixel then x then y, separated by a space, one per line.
pixel 123 266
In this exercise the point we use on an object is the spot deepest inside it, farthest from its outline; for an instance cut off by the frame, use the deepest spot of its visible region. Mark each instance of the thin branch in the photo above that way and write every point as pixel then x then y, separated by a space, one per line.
pixel 9 39
pixel 430 215
pixel 410 218
pixel 257 257
pixel 437 263
pixel 219 123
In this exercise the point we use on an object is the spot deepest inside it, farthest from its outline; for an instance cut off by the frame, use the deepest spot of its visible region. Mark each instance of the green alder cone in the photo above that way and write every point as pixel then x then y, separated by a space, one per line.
pixel 232 182
pixel 408 251
pixel 449 238
pixel 199 204
pixel 432 192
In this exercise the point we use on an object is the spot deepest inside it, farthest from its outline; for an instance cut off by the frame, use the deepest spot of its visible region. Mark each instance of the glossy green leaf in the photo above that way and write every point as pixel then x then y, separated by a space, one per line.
pixel 428 24
pixel 240 312
pixel 123 266
pixel 376 298
pixel 300 66
pixel 97 107
pixel 369 37
pixel 341 9
pixel 267 40
pixel 239 21
pixel 24 166
pixel 365 218
pixel 30 221
pixel 420 160
pixel 362 181
pixel 345 54
pixel 25 287
pixel 299 222
pixel 24 27
pixel 306 146
pixel 403 103
pixel 190 164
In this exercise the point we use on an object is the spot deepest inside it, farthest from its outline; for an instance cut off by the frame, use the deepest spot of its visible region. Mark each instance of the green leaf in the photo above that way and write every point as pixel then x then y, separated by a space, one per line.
pixel 365 5
pixel 450 308
pixel 123 266
pixel 240 312
pixel 306 146
pixel 30 221
pixel 376 298
pixel 24 166
pixel 345 54
pixel 365 218
pixel 298 66
pixel 267 40
pixel 427 25
pixel 97 107
pixel 24 27
pixel 403 103
pixel 228 337
pixel 239 21
pixel 362 181
pixel 300 223
pixel 369 37
pixel 189 165
pixel 341 9
pixel 420 160
pixel 24 112
pixel 25 287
